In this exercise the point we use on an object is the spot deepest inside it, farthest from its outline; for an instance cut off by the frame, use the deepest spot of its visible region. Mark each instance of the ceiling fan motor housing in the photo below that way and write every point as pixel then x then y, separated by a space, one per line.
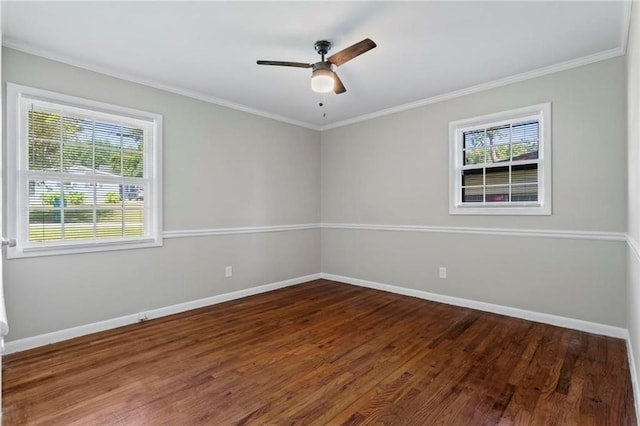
pixel 326 65
pixel 322 47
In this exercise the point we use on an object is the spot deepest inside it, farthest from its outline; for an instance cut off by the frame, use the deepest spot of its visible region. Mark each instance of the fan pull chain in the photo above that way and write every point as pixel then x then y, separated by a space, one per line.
pixel 322 104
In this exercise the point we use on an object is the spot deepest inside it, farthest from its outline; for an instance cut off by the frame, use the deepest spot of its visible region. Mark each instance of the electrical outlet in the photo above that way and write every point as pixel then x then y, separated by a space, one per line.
pixel 143 316
pixel 443 272
pixel 228 271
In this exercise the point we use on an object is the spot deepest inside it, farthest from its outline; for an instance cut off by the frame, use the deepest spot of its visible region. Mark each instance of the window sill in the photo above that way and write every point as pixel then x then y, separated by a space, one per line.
pixel 79 248
pixel 489 210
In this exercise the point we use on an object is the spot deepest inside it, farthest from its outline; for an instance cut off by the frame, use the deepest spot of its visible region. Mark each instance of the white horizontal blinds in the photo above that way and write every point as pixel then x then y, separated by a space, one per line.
pixel 85 175
pixel 500 163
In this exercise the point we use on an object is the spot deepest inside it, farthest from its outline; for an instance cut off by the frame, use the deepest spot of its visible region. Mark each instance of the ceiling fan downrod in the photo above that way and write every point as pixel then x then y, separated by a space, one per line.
pixel 322 47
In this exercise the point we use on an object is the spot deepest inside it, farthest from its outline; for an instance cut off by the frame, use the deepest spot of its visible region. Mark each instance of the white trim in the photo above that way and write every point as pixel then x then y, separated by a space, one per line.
pixel 563 66
pixel 635 248
pixel 634 373
pixel 150 83
pixel 540 113
pixel 572 323
pixel 17 173
pixel 70 333
pixel 544 233
pixel 573 63
pixel 633 370
pixel 512 232
pixel 626 29
pixel 185 233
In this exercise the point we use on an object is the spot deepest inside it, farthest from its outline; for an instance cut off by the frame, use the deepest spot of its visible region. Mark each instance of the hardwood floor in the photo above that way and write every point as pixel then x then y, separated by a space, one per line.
pixel 324 353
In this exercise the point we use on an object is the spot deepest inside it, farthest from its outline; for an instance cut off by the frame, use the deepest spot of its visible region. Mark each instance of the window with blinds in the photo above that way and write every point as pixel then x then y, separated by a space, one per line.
pixel 87 175
pixel 501 163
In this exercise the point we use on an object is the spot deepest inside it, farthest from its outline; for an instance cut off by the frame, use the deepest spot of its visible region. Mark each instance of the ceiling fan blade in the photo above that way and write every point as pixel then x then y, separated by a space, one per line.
pixel 285 64
pixel 351 52
pixel 338 87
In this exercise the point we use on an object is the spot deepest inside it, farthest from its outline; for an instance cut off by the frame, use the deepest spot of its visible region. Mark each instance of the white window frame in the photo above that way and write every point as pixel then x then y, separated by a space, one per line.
pixel 540 112
pixel 17 183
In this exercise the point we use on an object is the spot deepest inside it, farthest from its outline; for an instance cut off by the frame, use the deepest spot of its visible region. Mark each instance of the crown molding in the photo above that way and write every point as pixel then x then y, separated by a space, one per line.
pixel 22 47
pixel 563 66
pixel 626 25
pixel 574 63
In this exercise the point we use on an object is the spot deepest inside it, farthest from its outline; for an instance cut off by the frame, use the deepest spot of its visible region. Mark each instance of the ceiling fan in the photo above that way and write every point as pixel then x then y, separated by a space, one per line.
pixel 323 78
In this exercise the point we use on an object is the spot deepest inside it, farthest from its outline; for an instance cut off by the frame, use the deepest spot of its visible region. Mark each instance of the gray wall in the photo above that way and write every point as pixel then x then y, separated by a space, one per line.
pixel 633 146
pixel 225 168
pixel 395 169
pixel 222 168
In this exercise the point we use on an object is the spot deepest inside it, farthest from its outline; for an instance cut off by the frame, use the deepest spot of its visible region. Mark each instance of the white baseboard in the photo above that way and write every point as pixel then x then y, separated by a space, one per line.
pixel 70 333
pixel 576 324
pixel 634 374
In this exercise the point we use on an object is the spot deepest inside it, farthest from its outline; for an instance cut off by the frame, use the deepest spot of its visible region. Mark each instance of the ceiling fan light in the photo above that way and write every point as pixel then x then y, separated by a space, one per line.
pixel 322 81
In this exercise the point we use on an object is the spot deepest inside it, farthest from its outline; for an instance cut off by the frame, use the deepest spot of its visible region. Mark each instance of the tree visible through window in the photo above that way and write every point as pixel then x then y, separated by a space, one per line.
pixel 85 175
pixel 498 163
pixel 501 163
pixel 63 209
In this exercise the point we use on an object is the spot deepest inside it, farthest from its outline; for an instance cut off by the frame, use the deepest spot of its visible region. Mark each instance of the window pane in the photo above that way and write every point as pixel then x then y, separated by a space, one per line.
pixel 109 210
pixel 77 158
pixel 134 222
pixel 78 223
pixel 527 173
pixel 109 222
pixel 498 135
pixel 45 211
pixel 108 147
pixel 497 194
pixel 44 155
pixel 133 195
pixel 526 192
pixel 474 156
pixel 473 177
pixel 498 153
pixel 108 193
pixel 132 155
pixel 474 147
pixel 498 144
pixel 525 151
pixel 107 161
pixel 525 140
pixel 132 163
pixel 497 176
pixel 108 133
pixel 44 125
pixel 473 194
pixel 44 140
pixel 525 132
pixel 77 130
pixel 473 139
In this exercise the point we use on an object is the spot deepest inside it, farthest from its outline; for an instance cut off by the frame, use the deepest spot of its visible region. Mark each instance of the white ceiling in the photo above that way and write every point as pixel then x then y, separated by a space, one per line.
pixel 425 51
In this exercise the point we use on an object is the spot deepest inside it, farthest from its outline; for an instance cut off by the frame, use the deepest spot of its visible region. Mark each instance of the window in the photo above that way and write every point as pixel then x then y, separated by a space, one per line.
pixel 82 175
pixel 501 163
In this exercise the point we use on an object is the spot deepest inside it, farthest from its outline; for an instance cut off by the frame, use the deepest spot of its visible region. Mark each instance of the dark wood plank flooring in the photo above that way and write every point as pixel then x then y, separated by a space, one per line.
pixel 324 353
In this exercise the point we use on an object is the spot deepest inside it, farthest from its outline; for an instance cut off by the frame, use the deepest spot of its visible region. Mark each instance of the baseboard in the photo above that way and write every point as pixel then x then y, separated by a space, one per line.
pixel 634 374
pixel 576 324
pixel 70 333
